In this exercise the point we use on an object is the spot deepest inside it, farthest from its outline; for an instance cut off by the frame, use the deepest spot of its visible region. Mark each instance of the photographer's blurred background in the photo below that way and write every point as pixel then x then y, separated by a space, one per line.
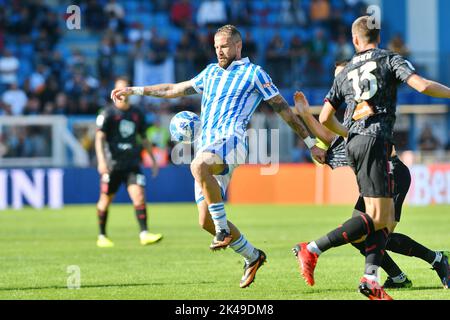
pixel 54 80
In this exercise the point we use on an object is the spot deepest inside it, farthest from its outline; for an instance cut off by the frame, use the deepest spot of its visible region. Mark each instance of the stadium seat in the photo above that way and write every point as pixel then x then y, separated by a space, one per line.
pixel 161 20
pixel 338 4
pixel 25 69
pixel 130 6
pixel 122 48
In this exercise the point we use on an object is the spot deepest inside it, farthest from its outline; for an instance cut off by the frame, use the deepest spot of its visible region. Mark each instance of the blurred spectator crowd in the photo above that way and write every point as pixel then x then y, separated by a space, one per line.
pixel 45 68
pixel 25 141
pixel 43 72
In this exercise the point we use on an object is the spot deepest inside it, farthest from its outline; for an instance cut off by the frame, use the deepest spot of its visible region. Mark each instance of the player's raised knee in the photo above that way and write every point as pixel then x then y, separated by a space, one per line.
pixel 199 169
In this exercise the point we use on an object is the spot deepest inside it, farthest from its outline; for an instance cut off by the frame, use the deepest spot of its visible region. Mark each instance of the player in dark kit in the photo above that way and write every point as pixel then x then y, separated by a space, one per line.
pixel 118 145
pixel 368 85
pixel 397 242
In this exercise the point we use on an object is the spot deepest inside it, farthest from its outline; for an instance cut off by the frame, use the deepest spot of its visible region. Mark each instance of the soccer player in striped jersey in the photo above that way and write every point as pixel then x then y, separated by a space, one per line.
pixel 232 88
pixel 396 242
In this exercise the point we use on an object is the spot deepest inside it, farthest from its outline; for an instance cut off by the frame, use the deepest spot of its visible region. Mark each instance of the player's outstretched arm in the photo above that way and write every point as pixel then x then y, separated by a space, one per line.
pixel 280 105
pixel 164 90
pixel 428 87
pixel 328 119
pixel 302 109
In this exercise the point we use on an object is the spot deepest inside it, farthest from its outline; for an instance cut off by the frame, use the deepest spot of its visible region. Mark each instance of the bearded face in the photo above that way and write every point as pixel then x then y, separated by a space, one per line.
pixel 226 49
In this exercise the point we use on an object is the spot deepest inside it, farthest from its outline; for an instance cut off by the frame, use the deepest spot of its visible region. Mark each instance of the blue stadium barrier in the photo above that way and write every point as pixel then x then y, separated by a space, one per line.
pixel 173 184
pixel 54 187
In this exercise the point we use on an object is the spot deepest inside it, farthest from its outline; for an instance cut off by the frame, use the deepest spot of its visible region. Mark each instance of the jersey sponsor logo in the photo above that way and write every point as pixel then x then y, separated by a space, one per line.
pixel 362 110
pixel 124 146
pixel 267 85
pixel 126 128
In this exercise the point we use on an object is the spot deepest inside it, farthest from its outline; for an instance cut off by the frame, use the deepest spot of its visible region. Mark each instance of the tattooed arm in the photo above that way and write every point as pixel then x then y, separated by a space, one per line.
pixel 165 90
pixel 280 105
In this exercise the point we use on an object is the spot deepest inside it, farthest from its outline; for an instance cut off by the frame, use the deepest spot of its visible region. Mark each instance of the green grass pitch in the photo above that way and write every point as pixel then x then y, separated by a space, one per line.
pixel 37 246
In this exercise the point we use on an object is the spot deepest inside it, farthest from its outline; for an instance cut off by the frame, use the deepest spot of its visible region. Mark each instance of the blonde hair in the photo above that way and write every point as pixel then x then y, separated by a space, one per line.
pixel 361 27
pixel 231 31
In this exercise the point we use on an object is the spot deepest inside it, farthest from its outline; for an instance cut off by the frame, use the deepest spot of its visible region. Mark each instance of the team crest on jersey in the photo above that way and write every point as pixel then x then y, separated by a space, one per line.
pixel 126 128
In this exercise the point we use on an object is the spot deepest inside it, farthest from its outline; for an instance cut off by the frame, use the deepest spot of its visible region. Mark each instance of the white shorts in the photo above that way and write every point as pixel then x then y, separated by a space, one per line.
pixel 233 151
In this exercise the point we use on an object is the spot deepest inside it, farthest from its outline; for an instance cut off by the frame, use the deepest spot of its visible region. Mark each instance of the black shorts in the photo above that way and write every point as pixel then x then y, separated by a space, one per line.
pixel 110 183
pixel 369 157
pixel 402 182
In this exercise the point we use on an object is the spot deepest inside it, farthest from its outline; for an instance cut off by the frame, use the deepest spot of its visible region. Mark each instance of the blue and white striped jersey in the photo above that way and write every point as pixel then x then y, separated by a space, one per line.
pixel 230 96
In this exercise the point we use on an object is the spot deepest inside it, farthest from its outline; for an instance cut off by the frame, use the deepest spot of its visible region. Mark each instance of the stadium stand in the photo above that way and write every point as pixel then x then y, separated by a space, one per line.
pixel 70 72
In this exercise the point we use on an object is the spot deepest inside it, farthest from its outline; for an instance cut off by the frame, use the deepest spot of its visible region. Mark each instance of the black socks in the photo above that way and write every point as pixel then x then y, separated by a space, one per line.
pixel 352 230
pixel 141 215
pixel 102 217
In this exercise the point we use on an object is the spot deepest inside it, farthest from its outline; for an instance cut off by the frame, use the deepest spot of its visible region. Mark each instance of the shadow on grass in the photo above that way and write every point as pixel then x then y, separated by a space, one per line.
pixel 120 285
pixel 437 287
pixel 416 288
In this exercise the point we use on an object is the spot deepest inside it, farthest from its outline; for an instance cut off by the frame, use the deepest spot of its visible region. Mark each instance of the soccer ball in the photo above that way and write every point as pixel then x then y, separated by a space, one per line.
pixel 185 127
